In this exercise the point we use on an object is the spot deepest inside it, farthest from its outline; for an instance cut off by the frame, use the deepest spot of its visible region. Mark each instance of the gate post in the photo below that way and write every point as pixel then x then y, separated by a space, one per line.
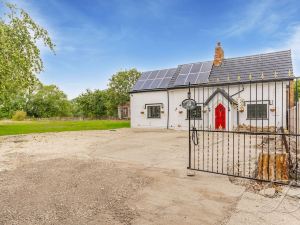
pixel 189 118
pixel 189 104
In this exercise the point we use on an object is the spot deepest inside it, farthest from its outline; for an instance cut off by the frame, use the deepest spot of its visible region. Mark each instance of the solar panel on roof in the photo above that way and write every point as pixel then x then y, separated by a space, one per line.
pixel 180 80
pixel 153 74
pixel 206 67
pixel 165 82
pixel 170 72
pixel 161 73
pixel 192 77
pixel 196 68
pixel 185 69
pixel 194 73
pixel 155 83
pixel 202 77
pixel 139 85
pixel 144 75
pixel 154 79
pixel 147 84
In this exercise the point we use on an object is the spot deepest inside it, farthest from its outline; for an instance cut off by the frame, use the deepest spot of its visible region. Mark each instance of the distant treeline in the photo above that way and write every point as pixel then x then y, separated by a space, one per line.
pixel 47 101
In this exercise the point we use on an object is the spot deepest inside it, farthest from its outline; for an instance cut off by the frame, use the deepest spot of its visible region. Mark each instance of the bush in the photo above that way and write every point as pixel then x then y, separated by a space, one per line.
pixel 19 116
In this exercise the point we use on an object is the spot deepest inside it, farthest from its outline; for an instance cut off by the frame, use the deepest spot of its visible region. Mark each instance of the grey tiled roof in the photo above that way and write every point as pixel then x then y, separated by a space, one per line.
pixel 268 66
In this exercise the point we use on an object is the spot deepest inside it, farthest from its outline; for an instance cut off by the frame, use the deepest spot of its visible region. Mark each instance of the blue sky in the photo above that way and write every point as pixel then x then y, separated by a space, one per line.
pixel 96 38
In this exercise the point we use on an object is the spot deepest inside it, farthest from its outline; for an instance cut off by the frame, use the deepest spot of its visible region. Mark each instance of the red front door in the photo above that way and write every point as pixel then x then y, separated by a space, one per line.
pixel 220 117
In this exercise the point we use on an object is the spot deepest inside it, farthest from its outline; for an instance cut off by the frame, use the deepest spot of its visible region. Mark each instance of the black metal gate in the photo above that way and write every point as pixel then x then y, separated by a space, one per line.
pixel 248 130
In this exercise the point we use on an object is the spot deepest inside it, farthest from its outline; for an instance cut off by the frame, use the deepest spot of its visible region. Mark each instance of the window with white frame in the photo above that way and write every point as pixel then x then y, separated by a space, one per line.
pixel 153 111
pixel 195 113
pixel 257 111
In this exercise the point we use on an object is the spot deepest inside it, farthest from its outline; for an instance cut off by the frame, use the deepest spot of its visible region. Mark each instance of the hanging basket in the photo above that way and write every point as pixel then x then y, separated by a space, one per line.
pixel 272 109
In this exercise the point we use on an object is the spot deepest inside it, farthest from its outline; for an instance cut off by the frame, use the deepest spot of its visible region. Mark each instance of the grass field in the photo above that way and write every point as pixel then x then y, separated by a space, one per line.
pixel 26 127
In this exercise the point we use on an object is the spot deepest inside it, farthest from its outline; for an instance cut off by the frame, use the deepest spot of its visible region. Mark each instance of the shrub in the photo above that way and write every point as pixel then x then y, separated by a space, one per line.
pixel 19 116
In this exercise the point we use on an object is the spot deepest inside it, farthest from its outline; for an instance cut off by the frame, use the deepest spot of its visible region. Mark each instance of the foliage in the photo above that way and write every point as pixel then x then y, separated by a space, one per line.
pixel 297 90
pixel 18 101
pixel 90 104
pixel 20 59
pixel 48 101
pixel 19 116
pixel 119 87
pixel 12 128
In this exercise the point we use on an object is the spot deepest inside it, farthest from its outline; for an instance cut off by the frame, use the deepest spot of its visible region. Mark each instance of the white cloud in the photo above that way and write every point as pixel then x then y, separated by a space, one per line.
pixel 293 42
pixel 250 17
pixel 266 17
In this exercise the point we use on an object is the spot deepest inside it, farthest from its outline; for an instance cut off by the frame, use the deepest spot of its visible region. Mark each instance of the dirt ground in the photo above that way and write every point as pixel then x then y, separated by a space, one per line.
pixel 125 176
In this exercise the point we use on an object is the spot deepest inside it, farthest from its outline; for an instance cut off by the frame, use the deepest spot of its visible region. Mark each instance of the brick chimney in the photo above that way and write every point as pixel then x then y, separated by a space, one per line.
pixel 219 55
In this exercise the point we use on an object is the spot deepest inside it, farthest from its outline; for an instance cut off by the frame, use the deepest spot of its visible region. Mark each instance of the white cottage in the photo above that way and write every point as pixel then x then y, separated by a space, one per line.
pixel 254 90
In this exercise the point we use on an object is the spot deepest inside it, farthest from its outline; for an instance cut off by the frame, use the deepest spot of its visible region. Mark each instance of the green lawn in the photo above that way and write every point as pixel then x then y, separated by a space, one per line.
pixel 26 127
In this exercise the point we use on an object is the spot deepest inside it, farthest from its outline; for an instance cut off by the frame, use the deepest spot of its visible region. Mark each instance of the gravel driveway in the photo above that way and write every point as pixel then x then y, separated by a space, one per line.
pixel 123 176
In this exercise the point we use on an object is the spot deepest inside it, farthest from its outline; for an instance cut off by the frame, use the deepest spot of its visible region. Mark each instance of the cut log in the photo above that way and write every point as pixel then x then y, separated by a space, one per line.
pixel 273 168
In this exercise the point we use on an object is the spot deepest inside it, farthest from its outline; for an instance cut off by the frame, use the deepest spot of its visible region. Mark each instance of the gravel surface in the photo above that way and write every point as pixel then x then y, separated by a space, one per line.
pixel 125 176
pixel 69 192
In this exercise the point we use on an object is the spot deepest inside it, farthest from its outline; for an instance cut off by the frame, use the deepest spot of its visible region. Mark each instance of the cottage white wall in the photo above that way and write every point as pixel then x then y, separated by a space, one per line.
pixel 139 112
pixel 178 115
pixel 274 96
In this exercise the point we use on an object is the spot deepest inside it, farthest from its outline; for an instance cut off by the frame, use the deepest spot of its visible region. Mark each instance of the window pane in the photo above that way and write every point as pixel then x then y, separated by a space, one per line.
pixel 257 111
pixel 153 111
pixel 195 113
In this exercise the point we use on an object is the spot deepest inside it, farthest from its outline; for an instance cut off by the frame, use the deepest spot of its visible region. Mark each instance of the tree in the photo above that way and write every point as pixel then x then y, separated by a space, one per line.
pixel 91 104
pixel 18 100
pixel 48 101
pixel 297 90
pixel 20 59
pixel 119 87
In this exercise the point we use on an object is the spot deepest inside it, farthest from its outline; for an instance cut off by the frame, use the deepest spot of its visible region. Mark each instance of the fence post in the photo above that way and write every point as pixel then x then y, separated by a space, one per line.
pixel 189 118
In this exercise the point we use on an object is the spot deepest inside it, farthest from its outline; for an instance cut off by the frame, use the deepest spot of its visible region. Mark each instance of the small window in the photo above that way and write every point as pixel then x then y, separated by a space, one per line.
pixel 153 111
pixel 257 111
pixel 125 112
pixel 195 113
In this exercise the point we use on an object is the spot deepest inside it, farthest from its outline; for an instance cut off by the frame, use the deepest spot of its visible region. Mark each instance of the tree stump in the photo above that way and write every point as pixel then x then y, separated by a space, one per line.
pixel 273 168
